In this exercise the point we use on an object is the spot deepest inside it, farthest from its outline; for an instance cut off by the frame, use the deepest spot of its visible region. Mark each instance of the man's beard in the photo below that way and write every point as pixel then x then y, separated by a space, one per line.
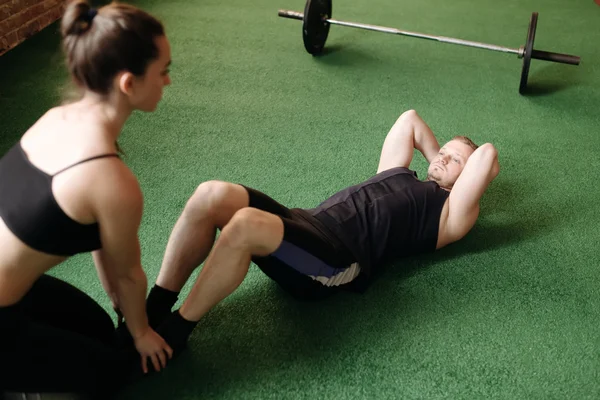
pixel 434 176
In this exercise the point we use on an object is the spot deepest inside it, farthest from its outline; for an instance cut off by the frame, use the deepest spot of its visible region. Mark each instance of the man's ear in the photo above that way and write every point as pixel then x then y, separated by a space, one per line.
pixel 125 82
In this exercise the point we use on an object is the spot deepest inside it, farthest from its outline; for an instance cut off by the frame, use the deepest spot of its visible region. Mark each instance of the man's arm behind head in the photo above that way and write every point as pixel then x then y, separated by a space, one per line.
pixel 463 204
pixel 409 132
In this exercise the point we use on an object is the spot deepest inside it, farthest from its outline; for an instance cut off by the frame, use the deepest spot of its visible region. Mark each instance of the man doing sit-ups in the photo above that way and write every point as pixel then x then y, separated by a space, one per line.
pixel 311 253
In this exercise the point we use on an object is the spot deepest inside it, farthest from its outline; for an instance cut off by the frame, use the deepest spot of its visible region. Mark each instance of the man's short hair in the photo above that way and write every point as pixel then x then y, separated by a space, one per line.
pixel 467 141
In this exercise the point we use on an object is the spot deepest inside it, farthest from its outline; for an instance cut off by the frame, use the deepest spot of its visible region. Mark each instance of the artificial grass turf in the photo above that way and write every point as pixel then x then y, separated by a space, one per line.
pixel 510 312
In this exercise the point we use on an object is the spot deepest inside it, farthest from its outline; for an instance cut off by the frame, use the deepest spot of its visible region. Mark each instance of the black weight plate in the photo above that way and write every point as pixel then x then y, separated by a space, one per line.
pixel 314 28
pixel 528 52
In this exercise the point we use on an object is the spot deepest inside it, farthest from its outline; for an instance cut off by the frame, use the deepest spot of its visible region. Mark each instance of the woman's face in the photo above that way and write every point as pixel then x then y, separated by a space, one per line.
pixel 148 89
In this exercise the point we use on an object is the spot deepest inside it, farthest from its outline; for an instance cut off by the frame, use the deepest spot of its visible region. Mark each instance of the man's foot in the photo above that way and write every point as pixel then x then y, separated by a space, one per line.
pixel 159 304
pixel 176 330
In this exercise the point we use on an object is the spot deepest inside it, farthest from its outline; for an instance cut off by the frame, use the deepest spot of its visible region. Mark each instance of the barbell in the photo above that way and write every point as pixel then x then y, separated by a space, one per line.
pixel 316 21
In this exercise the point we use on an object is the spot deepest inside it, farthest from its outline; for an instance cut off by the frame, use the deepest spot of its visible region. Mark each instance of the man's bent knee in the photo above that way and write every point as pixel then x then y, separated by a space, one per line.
pixel 217 199
pixel 258 231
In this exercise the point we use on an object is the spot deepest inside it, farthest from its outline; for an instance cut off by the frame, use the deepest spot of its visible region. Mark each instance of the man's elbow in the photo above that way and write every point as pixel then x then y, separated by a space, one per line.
pixel 408 115
pixel 405 124
pixel 489 154
pixel 488 149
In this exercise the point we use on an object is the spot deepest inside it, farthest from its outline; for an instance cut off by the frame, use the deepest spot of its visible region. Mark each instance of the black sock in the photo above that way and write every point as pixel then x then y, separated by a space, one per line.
pixel 159 304
pixel 176 330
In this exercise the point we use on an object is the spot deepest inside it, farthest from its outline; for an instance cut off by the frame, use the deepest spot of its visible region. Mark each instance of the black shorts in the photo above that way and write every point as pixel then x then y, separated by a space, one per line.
pixel 309 253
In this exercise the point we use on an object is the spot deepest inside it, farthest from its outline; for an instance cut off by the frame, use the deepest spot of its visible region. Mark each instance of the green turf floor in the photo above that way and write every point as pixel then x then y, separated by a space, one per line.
pixel 511 312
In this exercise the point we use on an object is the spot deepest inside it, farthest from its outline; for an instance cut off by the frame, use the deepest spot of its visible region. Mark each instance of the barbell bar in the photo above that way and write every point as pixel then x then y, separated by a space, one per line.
pixel 317 20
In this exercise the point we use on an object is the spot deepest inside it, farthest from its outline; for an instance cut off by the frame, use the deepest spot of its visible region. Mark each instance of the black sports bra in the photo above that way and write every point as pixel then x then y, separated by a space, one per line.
pixel 30 211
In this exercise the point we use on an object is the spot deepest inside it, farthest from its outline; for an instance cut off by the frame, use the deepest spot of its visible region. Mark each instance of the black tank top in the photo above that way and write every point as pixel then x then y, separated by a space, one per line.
pixel 30 211
pixel 391 215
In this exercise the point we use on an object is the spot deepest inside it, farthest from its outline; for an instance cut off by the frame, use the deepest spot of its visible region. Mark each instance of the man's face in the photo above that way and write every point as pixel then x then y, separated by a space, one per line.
pixel 446 167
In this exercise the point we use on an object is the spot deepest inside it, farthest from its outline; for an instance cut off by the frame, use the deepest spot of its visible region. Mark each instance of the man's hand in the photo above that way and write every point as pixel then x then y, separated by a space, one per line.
pixel 409 132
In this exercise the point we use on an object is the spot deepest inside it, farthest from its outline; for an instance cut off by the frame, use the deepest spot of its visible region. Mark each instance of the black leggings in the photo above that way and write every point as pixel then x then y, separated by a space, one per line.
pixel 58 339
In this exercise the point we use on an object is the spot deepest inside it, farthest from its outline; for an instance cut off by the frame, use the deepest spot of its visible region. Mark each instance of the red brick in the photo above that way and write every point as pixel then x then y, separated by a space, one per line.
pixel 12 9
pixel 16 7
pixel 58 11
pixel 24 16
pixel 21 19
pixel 11 37
pixel 26 3
pixel 47 18
pixel 28 30
pixel 19 5
pixel 36 10
pixel 48 4
pixel 4 12
pixel 9 25
pixel 11 40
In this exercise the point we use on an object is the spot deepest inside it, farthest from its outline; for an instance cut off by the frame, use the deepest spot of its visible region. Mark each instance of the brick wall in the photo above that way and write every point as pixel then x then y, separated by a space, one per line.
pixel 21 19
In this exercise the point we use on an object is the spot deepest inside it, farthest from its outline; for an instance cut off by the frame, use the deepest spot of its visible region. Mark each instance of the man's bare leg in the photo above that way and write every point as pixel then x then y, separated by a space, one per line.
pixel 250 232
pixel 210 208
